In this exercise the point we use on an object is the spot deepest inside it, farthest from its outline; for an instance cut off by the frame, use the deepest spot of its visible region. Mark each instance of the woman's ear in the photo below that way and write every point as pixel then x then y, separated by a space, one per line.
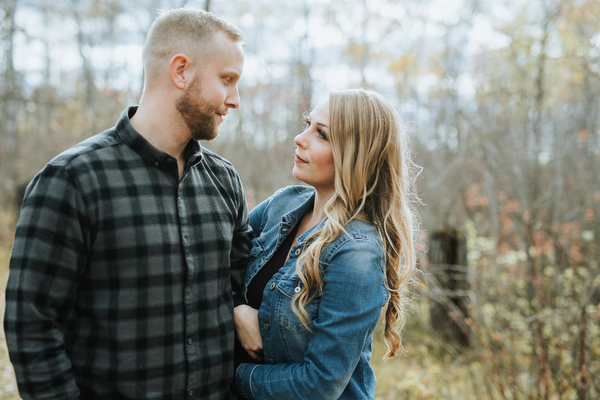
pixel 178 67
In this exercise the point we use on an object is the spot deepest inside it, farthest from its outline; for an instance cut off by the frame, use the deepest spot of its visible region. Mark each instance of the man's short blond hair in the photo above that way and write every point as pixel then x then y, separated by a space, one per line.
pixel 183 30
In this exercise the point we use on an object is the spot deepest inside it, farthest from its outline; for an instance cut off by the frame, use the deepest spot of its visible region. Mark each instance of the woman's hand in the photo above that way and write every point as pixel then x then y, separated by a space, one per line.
pixel 246 326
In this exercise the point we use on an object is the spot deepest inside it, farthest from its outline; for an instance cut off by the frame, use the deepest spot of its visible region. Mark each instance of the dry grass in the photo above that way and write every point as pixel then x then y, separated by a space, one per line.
pixel 424 373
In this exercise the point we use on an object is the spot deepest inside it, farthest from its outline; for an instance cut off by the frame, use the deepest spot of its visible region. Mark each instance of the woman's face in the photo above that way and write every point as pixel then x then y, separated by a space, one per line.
pixel 313 162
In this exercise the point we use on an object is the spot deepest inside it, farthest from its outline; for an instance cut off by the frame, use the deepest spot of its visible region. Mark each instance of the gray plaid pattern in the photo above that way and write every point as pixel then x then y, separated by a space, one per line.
pixel 121 275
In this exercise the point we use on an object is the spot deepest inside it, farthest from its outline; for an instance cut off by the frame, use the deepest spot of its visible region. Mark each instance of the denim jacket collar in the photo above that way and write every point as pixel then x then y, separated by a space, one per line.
pixel 290 219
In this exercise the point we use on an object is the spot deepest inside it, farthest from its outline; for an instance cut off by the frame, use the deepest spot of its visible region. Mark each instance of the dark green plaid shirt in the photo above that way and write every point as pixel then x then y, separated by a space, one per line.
pixel 121 274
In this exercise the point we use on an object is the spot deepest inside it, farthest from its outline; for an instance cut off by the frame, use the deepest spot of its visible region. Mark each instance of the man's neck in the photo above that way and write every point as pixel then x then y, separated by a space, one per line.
pixel 161 127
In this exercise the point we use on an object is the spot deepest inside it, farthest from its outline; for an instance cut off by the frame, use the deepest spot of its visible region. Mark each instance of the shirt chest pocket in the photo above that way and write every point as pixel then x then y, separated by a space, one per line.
pixel 284 315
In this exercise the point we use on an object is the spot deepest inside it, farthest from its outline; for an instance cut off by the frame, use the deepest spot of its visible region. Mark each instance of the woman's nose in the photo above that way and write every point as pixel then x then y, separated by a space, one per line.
pixel 300 139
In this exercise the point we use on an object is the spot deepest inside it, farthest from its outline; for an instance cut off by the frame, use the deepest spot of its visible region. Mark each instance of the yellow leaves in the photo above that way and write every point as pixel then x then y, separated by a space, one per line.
pixel 569 273
pixel 358 52
pixel 549 271
pixel 588 236
pixel 405 61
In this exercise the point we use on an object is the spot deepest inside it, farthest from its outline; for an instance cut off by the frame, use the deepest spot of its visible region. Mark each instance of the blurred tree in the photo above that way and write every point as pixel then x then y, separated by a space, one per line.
pixel 10 97
pixel 533 105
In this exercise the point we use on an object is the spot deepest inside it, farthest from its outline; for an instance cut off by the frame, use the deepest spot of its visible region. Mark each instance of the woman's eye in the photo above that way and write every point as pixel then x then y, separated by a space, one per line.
pixel 322 134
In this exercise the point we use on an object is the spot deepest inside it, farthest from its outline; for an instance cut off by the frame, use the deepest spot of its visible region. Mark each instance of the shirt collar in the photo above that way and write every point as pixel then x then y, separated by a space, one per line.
pixel 139 144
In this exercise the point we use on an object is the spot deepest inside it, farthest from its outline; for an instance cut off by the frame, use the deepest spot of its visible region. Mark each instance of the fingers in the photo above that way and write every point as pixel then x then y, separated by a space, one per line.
pixel 248 332
pixel 256 355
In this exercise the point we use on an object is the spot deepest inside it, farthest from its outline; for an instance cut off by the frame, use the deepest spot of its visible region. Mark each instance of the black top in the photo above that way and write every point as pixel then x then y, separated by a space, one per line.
pixel 257 285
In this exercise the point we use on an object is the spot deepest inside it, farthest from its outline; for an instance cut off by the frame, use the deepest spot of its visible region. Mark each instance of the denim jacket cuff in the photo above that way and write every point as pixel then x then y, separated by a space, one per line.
pixel 243 380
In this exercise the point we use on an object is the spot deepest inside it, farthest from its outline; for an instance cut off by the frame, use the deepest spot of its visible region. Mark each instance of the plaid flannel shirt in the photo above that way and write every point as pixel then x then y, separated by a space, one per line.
pixel 121 274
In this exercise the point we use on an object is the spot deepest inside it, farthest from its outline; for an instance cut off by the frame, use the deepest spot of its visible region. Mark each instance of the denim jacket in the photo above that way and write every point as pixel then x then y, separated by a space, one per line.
pixel 332 361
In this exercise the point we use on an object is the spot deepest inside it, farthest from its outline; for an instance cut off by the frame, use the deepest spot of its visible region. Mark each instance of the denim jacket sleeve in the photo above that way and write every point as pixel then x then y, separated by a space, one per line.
pixel 354 294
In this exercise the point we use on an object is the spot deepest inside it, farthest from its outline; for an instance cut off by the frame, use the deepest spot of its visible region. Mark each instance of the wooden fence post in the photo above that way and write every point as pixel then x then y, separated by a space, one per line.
pixel 449 283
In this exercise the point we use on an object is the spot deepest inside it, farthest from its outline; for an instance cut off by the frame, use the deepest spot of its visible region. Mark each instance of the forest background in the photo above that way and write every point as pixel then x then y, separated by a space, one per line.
pixel 502 101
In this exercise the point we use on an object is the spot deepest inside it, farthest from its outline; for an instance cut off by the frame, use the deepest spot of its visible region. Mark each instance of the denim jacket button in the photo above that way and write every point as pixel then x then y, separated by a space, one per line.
pixel 297 289
pixel 298 251
pixel 267 326
pixel 273 286
pixel 271 360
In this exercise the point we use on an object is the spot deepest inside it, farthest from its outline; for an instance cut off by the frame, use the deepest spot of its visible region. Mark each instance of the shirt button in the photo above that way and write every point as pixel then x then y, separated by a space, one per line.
pixel 191 392
pixel 267 326
pixel 188 290
pixel 298 251
pixel 271 360
pixel 157 163
pixel 273 286
pixel 190 341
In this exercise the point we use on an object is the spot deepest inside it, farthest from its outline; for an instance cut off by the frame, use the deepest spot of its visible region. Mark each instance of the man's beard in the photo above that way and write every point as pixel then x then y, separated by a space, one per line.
pixel 199 116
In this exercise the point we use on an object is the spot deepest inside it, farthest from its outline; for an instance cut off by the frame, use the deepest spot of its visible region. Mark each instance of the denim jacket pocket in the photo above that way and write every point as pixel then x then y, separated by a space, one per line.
pixel 284 315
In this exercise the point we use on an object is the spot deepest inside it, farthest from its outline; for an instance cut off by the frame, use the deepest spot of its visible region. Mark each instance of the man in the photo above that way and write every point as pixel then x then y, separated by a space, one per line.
pixel 130 243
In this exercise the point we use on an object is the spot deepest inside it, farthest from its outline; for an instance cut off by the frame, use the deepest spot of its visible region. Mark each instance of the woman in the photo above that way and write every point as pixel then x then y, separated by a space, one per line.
pixel 327 258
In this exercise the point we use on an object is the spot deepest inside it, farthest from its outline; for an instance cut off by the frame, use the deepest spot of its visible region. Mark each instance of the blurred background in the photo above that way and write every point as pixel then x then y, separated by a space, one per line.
pixel 502 103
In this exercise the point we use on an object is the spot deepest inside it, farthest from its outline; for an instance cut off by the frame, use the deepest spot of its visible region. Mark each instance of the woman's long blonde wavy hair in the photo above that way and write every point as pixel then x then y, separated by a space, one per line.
pixel 373 182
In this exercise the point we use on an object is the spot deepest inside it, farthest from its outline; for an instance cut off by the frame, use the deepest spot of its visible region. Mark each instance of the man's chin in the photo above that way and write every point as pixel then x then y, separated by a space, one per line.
pixel 207 135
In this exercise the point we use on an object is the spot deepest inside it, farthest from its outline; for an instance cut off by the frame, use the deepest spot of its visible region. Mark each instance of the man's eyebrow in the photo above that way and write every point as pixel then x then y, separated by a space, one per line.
pixel 234 74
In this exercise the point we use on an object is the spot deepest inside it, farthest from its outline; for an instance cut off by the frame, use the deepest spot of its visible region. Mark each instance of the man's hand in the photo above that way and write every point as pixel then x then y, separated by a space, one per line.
pixel 246 327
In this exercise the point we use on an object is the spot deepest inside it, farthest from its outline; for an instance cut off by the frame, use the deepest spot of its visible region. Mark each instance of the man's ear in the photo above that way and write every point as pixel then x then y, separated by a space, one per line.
pixel 179 69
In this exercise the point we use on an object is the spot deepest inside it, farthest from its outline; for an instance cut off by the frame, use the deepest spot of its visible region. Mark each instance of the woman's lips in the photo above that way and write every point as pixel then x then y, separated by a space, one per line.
pixel 299 159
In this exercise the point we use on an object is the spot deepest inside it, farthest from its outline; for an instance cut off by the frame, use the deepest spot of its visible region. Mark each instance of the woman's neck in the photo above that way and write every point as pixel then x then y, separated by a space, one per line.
pixel 318 211
pixel 314 215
